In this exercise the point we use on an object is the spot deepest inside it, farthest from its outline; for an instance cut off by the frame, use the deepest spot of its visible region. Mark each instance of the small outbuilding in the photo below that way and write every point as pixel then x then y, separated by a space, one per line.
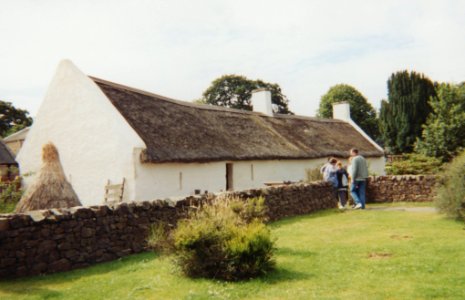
pixel 16 140
pixel 160 147
pixel 8 164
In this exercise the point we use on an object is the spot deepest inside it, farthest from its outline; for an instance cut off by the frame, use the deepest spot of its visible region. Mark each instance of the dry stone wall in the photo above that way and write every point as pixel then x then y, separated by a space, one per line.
pixel 408 188
pixel 55 240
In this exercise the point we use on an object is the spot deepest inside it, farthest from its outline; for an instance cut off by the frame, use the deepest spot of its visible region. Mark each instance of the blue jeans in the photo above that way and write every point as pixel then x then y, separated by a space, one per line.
pixel 357 191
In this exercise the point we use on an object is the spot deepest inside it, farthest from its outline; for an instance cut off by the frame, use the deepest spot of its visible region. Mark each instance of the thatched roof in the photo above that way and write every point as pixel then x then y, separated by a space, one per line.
pixel 51 189
pixel 6 157
pixel 177 131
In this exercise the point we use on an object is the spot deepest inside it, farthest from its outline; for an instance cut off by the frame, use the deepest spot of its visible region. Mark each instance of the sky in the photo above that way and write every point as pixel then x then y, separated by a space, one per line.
pixel 177 48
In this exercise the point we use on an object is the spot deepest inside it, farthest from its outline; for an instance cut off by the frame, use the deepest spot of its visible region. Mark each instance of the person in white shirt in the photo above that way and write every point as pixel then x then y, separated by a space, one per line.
pixel 324 167
pixel 330 175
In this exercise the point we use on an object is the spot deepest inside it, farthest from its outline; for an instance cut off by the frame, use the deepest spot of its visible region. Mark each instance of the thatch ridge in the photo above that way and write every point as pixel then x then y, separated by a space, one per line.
pixel 201 105
pixel 50 189
pixel 177 131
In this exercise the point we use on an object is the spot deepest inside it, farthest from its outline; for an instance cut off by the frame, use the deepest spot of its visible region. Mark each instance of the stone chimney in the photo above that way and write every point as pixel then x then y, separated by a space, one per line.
pixel 261 101
pixel 341 111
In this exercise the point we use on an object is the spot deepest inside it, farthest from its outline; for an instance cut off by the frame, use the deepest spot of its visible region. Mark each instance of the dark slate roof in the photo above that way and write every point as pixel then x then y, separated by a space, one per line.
pixel 177 131
pixel 6 157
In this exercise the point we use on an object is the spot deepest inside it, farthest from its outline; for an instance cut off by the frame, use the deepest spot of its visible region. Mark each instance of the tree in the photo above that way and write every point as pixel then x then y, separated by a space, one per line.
pixel 444 132
pixel 235 91
pixel 406 110
pixel 361 111
pixel 12 119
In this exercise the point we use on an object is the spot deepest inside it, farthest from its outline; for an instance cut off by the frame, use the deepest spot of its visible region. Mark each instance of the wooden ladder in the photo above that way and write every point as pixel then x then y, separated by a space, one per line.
pixel 114 192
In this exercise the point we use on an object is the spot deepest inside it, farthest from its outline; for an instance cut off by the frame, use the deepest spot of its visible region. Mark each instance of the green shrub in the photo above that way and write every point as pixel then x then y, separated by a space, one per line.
pixel 313 174
pixel 10 194
pixel 414 164
pixel 450 198
pixel 253 209
pixel 224 240
pixel 160 238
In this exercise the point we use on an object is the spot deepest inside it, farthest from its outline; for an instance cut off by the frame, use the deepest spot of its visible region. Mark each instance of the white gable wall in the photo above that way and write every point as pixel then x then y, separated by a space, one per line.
pixel 94 140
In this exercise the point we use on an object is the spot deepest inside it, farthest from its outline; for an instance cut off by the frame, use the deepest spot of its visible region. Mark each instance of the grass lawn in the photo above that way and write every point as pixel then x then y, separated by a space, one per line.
pixel 373 254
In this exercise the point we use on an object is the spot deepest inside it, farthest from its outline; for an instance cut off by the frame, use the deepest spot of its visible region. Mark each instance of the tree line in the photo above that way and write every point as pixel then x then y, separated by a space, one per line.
pixel 418 116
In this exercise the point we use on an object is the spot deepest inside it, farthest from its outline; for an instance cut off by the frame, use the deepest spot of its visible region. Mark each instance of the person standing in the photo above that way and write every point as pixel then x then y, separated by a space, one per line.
pixel 342 183
pixel 325 168
pixel 359 175
pixel 330 175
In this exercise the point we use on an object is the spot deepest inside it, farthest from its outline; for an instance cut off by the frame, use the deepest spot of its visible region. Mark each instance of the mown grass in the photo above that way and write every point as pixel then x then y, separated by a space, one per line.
pixel 329 255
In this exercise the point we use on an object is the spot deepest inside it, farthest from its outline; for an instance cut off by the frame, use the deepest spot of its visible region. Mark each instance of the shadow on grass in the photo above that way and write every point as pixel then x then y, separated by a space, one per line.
pixel 280 275
pixel 35 283
pixel 294 252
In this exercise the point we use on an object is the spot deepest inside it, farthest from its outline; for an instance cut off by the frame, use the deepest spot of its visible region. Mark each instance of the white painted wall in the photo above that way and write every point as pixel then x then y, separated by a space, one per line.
pixel 94 140
pixel 376 165
pixel 159 181
pixel 268 171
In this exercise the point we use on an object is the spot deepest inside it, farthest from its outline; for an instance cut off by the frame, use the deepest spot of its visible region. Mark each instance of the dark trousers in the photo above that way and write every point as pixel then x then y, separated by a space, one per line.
pixel 342 194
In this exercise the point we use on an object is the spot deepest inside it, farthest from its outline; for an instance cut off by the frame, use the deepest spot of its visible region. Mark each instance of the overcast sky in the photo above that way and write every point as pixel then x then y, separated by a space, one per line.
pixel 176 48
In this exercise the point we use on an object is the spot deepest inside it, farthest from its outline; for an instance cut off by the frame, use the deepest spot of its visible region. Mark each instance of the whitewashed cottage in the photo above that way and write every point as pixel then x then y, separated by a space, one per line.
pixel 167 148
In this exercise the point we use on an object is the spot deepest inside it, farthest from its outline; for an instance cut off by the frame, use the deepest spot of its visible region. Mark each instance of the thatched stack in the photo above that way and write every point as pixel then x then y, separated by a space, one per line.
pixel 51 189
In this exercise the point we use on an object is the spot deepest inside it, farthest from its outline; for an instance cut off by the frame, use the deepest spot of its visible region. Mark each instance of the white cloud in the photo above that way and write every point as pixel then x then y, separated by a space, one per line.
pixel 176 48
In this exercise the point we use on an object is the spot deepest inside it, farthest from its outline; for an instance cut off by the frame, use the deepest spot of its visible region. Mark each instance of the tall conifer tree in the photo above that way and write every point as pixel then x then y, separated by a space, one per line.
pixel 406 110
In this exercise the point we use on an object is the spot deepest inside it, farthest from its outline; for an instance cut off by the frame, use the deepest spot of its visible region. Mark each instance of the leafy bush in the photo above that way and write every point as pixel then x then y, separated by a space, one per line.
pixel 253 209
pixel 225 240
pixel 444 132
pixel 414 164
pixel 160 238
pixel 450 198
pixel 313 174
pixel 10 194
